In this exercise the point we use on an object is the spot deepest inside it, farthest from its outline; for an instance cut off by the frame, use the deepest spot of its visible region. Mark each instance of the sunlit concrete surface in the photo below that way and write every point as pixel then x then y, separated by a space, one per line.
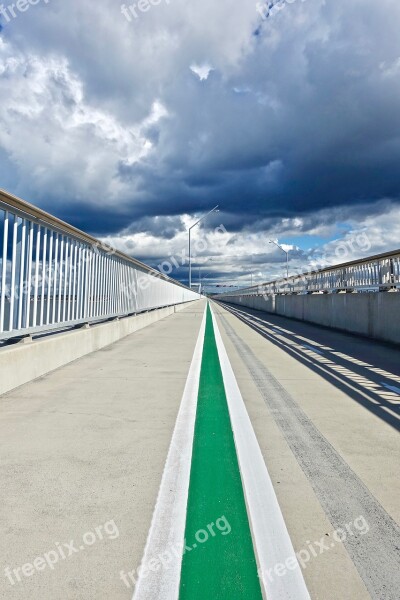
pixel 31 358
pixel 83 451
pixel 84 446
pixel 336 382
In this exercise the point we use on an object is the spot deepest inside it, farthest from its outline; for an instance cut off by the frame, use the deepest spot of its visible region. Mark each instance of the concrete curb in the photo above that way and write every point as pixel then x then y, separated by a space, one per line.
pixel 373 315
pixel 22 363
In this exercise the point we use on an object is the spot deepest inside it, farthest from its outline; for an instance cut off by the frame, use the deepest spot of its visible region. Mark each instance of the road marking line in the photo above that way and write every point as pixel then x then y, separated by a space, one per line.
pixel 272 542
pixel 167 529
pixel 226 566
pixel 392 388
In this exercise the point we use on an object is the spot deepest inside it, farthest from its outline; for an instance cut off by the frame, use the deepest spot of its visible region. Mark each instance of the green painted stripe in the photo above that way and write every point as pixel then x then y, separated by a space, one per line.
pixel 223 567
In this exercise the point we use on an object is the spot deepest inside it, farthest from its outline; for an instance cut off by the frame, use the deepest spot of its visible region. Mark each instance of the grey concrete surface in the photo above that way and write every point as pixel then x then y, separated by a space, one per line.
pixel 85 446
pixel 330 457
pixel 21 363
pixel 370 314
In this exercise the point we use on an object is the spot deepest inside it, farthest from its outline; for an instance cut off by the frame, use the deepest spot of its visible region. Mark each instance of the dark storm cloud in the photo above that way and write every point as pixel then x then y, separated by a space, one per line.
pixel 95 220
pixel 296 121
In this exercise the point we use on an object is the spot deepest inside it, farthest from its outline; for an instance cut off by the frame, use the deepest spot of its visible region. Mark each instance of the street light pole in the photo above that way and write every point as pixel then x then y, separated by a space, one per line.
pixel 287 256
pixel 215 209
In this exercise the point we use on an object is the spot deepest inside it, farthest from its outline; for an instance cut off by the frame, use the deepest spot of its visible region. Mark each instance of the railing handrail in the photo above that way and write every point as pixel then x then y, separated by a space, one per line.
pixel 283 282
pixel 43 218
pixel 54 275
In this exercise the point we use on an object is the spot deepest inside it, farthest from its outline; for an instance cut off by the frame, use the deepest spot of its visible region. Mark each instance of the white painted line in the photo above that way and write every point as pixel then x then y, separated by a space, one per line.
pixel 313 349
pixel 167 531
pixel 272 542
pixel 392 388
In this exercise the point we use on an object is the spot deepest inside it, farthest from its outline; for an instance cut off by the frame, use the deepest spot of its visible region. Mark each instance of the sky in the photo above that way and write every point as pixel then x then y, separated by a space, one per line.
pixel 132 121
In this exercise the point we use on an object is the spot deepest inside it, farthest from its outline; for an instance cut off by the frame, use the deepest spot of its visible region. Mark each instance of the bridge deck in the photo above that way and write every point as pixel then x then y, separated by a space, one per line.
pixel 84 451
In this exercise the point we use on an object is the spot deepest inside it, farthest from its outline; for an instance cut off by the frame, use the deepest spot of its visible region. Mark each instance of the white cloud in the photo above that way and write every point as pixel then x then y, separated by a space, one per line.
pixel 59 140
pixel 297 123
pixel 240 255
pixel 202 71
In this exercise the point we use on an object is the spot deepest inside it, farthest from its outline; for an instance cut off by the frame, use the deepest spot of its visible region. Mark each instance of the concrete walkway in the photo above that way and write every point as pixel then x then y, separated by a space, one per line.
pixel 84 449
pixel 83 452
pixel 332 450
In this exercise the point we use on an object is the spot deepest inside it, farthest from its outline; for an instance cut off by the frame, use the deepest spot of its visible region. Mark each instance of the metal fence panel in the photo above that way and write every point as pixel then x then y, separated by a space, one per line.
pixel 54 276
pixel 375 273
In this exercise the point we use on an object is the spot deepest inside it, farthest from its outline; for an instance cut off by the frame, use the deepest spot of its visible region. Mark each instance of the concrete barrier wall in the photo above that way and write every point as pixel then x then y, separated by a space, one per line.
pixel 23 362
pixel 376 315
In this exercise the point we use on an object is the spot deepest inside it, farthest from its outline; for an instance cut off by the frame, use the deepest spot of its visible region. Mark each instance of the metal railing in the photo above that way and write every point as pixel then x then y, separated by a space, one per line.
pixel 53 275
pixel 375 273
